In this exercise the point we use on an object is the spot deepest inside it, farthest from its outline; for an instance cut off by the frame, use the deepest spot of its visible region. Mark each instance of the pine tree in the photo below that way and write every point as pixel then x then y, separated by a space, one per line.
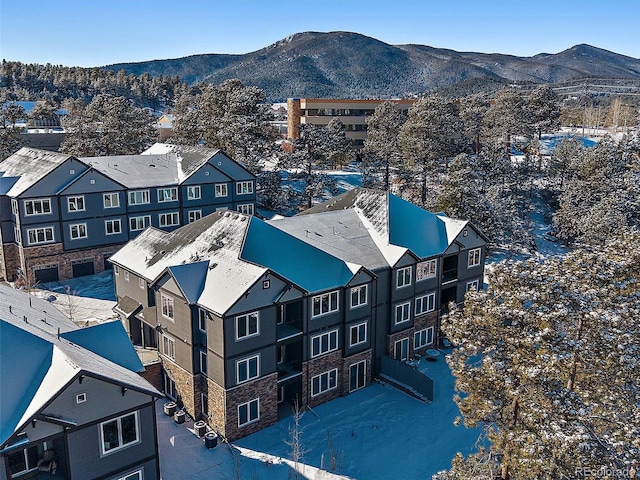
pixel 544 105
pixel 427 137
pixel 547 359
pixel 508 116
pixel 381 152
pixel 10 114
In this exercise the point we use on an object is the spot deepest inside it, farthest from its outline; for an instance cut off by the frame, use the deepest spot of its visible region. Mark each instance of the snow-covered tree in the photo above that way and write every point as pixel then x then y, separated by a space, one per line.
pixel 10 113
pixel 306 163
pixel 473 108
pixel 339 151
pixel 601 196
pixel 231 116
pixel 544 105
pixel 107 126
pixel 44 111
pixel 428 137
pixel 548 360
pixel 381 153
pixel 508 116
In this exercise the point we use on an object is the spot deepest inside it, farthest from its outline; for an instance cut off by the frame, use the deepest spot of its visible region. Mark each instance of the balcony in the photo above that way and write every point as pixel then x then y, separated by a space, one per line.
pixel 287 370
pixel 449 275
pixel 289 330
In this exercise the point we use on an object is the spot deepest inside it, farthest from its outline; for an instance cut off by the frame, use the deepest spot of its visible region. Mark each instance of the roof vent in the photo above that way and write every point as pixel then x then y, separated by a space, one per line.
pixel 152 165
pixel 212 266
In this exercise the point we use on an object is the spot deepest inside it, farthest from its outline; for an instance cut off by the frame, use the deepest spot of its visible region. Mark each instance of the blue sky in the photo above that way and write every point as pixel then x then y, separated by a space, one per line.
pixel 100 32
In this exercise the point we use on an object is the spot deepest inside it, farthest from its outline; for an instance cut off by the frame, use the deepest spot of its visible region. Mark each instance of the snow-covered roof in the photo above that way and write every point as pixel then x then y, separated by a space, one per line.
pixel 139 171
pixel 24 168
pixel 217 259
pixel 191 158
pixel 394 226
pixel 38 363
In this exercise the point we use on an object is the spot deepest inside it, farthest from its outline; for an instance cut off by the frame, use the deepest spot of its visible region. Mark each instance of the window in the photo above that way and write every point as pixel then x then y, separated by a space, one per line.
pixel 203 362
pixel 221 189
pixel 425 270
pixel 426 303
pixel 472 286
pixel 358 296
pixel 244 188
pixel 139 223
pixel 169 347
pixel 37 207
pixel 474 258
pixel 78 230
pixel 422 338
pixel 112 227
pixel 14 206
pixel 403 312
pixel 120 432
pixel 167 306
pixel 81 398
pixel 325 303
pixel 401 350
pixel 137 475
pixel 167 194
pixel 324 343
pixel 138 197
pixel 246 208
pixel 23 461
pixel 194 193
pixel 266 284
pixel 358 334
pixel 141 283
pixel 17 235
pixel 169 219
pixel 403 277
pixel 126 275
pixel 75 204
pixel 116 270
pixel 324 382
pixel 111 200
pixel 248 412
pixel 40 235
pixel 247 369
pixel 202 320
pixel 247 325
pixel 195 215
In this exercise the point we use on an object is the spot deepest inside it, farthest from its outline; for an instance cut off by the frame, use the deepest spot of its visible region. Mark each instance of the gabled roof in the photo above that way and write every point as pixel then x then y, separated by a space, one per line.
pixel 38 363
pixel 190 278
pixel 218 258
pixel 139 171
pixel 25 168
pixel 192 158
pixel 301 263
pixel 394 227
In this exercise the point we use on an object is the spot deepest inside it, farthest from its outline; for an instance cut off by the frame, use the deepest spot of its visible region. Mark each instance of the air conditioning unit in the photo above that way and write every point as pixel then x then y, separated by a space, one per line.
pixel 179 416
pixel 200 428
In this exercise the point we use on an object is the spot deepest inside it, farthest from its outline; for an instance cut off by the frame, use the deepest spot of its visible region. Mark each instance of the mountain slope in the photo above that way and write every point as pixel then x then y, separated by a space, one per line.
pixel 344 64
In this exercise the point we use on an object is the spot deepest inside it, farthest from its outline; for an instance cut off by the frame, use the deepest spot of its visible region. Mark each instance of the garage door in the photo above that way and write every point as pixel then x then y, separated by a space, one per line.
pixel 46 273
pixel 83 267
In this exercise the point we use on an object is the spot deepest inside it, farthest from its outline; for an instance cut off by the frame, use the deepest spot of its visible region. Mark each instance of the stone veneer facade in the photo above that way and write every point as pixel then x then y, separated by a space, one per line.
pixel 394 337
pixel 265 389
pixel 316 366
pixel 28 258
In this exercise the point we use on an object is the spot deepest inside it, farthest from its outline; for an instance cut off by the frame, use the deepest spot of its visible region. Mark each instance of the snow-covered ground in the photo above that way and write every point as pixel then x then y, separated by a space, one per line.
pixel 376 433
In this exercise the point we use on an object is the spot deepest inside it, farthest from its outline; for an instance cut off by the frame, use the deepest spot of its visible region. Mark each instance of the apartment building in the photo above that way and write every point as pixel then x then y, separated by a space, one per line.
pixel 73 404
pixel 252 317
pixel 62 217
pixel 320 111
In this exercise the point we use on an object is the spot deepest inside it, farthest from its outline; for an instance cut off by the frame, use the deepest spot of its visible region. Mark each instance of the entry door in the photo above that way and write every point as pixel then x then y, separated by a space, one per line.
pixel 401 350
pixel 169 387
pixel 357 375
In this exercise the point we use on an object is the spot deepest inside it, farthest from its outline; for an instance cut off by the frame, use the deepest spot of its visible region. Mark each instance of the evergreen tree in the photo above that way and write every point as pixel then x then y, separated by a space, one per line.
pixel 547 360
pixel 427 137
pixel 381 151
pixel 43 113
pixel 10 113
pixel 108 126
pixel 544 106
pixel 473 108
pixel 509 115
pixel 339 150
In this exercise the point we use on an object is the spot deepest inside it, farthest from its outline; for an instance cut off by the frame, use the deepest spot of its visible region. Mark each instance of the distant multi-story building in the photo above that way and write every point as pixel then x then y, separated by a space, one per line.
pixel 251 316
pixel 62 216
pixel 72 402
pixel 320 111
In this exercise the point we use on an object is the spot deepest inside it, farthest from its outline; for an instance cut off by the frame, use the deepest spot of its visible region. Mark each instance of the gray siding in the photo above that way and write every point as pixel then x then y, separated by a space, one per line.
pixel 267 362
pixel 85 454
pixel 62 175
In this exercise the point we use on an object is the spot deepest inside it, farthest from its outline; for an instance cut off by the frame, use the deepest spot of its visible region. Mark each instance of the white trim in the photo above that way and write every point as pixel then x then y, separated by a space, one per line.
pixel 246 318
pixel 44 232
pixel 248 407
pixel 247 361
pixel 76 199
pixel 427 303
pixel 164 198
pixel 406 308
pixel 331 382
pixel 244 187
pixel 221 190
pixel 474 256
pixel 111 196
pixel 120 445
pixel 357 290
pixel 332 346
pixel 427 333
pixel 402 274
pixel 38 201
pixel 357 328
pixel 132 197
pixel 426 270
pixel 319 299
pixel 113 223
pixel 193 189
pixel 164 218
pixel 171 306
pixel 81 231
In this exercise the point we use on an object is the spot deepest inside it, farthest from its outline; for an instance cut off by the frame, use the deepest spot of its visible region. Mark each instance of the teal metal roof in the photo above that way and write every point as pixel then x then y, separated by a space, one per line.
pixel 301 263
pixel 110 341
pixel 26 359
pixel 414 228
pixel 191 278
